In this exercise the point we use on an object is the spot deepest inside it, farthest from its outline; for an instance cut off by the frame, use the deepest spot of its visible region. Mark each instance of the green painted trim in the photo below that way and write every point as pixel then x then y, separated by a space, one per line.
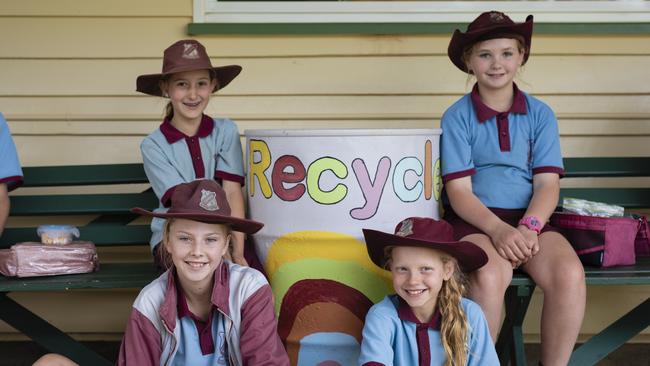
pixel 401 28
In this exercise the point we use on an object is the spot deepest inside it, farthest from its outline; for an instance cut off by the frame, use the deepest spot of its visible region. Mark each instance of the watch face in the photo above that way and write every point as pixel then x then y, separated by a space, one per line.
pixel 534 222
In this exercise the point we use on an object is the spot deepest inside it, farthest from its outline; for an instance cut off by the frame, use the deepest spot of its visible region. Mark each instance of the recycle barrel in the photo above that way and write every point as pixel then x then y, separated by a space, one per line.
pixel 315 190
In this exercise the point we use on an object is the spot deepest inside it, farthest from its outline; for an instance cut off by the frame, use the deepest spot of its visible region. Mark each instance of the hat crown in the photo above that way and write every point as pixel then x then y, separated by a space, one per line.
pixel 424 228
pixel 185 55
pixel 489 19
pixel 201 197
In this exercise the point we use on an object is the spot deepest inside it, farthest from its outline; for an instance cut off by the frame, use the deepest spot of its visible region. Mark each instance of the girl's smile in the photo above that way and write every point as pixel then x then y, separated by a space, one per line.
pixel 495 62
pixel 189 93
pixel 197 249
pixel 418 275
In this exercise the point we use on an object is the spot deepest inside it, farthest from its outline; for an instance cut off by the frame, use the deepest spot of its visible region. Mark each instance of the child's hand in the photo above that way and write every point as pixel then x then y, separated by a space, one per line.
pixel 511 244
pixel 531 237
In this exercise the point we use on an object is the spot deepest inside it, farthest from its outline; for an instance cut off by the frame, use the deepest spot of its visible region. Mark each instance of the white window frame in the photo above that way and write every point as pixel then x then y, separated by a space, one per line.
pixel 305 12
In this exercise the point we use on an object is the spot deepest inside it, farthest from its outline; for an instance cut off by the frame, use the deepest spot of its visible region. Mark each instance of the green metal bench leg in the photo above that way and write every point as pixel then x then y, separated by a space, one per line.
pixel 45 334
pixel 612 337
pixel 510 344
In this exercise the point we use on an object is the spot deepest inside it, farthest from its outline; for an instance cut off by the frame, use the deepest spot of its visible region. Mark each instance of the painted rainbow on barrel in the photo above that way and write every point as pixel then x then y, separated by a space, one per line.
pixel 323 283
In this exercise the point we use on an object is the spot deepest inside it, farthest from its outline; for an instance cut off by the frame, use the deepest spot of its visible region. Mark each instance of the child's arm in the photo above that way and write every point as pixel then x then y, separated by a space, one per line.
pixel 4 205
pixel 260 343
pixel 546 192
pixel 162 175
pixel 141 345
pixel 481 348
pixel 376 346
pixel 507 240
pixel 235 198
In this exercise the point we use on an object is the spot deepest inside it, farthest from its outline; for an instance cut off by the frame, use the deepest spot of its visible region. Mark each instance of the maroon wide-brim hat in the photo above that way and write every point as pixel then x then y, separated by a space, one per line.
pixel 202 200
pixel 426 233
pixel 489 25
pixel 186 55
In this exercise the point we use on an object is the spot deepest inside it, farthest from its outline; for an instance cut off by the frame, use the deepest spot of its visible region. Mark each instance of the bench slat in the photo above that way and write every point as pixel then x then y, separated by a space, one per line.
pixel 638 274
pixel 80 204
pixel 101 235
pixel 75 175
pixel 110 275
pixel 607 167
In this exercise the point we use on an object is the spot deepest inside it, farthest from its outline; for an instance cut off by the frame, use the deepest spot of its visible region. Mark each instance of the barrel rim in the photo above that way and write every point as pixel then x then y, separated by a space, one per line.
pixel 343 132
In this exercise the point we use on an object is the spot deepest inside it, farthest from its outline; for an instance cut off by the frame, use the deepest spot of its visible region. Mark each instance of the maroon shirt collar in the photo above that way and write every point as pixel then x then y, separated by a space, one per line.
pixel 405 312
pixel 172 134
pixel 484 113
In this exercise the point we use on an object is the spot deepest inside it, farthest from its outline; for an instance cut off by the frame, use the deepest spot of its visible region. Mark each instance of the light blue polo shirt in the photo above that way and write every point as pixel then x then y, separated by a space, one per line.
pixel 200 343
pixel 189 350
pixel 171 158
pixel 10 171
pixel 501 151
pixel 390 338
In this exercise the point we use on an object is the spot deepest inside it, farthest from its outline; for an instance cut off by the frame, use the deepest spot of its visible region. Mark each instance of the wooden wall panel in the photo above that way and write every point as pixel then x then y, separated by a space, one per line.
pixel 303 107
pixel 331 75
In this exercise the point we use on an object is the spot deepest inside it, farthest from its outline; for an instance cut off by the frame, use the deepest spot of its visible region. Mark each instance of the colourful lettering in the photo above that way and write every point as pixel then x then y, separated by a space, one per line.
pixel 405 193
pixel 427 170
pixel 280 176
pixel 314 172
pixel 257 169
pixel 371 190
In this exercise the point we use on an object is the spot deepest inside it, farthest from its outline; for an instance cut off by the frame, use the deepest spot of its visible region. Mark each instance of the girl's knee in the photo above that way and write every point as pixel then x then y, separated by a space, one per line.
pixel 493 278
pixel 570 277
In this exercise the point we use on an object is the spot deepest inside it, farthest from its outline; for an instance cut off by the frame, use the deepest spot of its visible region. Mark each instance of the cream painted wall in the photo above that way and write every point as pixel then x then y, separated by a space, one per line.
pixel 67 81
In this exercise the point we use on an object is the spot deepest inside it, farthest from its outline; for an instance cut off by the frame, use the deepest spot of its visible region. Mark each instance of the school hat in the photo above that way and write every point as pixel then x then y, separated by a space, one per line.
pixel 489 25
pixel 202 200
pixel 186 55
pixel 427 233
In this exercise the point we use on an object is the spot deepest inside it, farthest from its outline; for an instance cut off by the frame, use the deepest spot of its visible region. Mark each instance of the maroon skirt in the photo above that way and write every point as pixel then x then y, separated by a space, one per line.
pixel 510 216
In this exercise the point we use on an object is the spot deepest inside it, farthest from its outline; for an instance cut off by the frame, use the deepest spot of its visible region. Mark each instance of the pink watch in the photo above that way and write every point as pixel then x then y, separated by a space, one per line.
pixel 532 223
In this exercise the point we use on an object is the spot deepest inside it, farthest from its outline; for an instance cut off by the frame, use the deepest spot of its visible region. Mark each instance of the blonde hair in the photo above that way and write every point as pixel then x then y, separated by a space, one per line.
pixel 454 328
pixel 163 255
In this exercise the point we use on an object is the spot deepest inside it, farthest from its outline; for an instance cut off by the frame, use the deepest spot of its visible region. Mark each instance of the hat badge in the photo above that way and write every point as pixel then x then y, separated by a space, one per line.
pixel 496 17
pixel 208 200
pixel 190 51
pixel 406 228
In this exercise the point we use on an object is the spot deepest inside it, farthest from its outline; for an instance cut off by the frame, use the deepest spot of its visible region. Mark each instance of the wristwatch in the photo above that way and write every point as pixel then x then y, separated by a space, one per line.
pixel 532 223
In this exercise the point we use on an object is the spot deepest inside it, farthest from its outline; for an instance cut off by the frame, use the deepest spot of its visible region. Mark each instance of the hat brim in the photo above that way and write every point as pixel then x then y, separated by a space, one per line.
pixel 459 40
pixel 469 255
pixel 237 224
pixel 150 83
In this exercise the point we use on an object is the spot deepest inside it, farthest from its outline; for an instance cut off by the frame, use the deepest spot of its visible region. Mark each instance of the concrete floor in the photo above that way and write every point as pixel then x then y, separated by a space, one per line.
pixel 25 353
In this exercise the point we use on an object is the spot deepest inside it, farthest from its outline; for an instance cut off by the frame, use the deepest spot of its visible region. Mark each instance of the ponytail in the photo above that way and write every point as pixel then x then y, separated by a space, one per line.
pixel 454 330
pixel 169 111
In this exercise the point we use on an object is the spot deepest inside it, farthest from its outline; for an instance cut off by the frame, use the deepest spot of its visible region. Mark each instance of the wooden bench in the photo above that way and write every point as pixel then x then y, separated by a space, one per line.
pixel 510 344
pixel 109 228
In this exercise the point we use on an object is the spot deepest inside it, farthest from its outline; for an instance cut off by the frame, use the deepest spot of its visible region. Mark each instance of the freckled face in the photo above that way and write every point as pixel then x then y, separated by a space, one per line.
pixel 495 62
pixel 197 249
pixel 418 274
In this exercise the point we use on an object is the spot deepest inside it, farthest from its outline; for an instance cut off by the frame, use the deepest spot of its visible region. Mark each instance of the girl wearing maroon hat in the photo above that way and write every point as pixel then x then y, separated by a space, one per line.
pixel 203 310
pixel 501 165
pixel 190 145
pixel 427 321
